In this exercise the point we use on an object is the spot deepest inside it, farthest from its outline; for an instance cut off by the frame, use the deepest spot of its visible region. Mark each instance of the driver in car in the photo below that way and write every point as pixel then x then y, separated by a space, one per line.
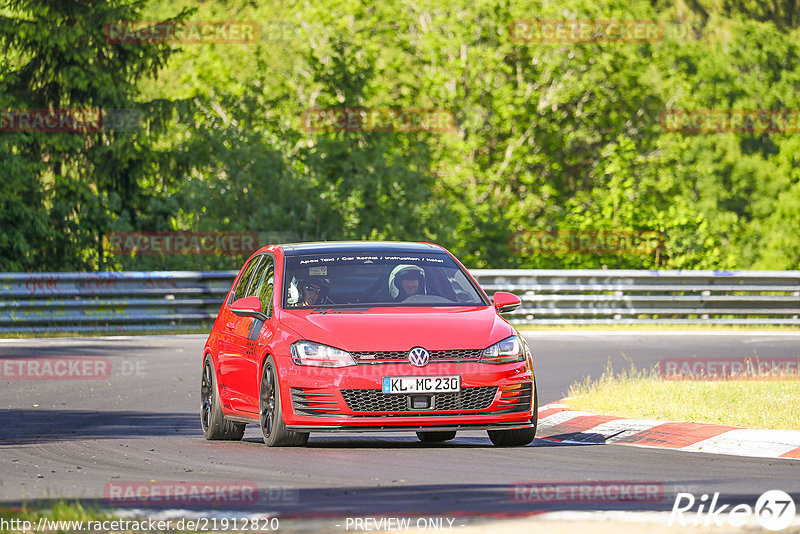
pixel 406 281
pixel 314 291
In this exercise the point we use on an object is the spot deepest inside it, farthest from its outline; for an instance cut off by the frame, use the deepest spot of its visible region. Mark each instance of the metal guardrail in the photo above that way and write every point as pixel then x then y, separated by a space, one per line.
pixel 123 301
pixel 119 301
pixel 578 296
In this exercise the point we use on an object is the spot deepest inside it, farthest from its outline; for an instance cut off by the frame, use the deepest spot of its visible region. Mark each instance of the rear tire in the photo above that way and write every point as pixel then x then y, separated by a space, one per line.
pixel 518 437
pixel 270 414
pixel 436 437
pixel 211 419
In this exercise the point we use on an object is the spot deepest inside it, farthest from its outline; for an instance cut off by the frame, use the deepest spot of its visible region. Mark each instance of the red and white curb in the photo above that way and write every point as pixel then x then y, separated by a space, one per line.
pixel 558 423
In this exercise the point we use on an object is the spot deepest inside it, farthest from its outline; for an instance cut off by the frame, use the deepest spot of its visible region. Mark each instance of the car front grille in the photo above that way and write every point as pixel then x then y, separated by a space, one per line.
pixel 459 355
pixel 374 400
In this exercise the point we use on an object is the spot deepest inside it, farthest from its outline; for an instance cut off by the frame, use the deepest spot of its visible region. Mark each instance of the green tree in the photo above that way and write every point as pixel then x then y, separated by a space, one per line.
pixel 73 184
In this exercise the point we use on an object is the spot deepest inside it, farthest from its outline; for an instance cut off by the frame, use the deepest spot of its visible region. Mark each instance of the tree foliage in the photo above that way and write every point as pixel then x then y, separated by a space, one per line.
pixel 562 136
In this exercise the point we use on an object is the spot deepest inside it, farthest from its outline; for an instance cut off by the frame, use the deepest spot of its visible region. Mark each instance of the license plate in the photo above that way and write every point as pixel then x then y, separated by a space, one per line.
pixel 421 384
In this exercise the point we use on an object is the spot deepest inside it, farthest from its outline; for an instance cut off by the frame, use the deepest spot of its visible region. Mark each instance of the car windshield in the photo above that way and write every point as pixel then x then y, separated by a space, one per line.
pixel 377 279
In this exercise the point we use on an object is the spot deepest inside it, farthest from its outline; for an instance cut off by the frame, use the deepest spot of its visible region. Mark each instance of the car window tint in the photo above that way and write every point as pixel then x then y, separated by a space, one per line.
pixel 247 275
pixel 263 282
pixel 459 285
pixel 377 278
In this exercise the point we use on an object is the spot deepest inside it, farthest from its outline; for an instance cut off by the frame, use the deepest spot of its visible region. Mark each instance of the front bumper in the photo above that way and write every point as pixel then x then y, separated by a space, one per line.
pixel 350 398
pixel 403 428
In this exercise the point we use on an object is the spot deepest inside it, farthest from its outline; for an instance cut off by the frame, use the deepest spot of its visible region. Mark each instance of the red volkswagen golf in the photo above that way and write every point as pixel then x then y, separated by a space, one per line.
pixel 365 336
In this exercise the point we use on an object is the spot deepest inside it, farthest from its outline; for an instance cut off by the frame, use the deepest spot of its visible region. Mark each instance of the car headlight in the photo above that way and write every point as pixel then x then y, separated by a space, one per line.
pixel 507 351
pixel 318 355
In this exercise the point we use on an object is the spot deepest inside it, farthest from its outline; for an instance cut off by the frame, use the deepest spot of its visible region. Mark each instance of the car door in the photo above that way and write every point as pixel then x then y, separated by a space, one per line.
pixel 243 363
pixel 260 335
pixel 234 340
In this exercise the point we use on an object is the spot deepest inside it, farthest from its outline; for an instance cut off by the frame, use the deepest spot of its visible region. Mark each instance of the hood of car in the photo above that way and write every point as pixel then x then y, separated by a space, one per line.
pixel 391 329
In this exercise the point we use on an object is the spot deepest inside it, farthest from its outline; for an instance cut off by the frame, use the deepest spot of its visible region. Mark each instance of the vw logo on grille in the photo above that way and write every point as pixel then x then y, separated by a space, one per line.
pixel 419 357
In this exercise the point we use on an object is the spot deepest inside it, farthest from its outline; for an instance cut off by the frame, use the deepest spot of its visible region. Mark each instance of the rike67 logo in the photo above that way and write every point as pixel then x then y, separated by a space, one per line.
pixel 774 510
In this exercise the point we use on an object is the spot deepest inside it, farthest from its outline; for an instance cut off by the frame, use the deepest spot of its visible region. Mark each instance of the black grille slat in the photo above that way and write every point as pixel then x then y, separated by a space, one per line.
pixel 302 403
pixel 374 400
pixel 515 400
pixel 401 355
pixel 469 354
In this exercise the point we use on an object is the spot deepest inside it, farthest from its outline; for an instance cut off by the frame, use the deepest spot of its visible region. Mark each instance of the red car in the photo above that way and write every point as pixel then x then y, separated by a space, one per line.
pixel 365 336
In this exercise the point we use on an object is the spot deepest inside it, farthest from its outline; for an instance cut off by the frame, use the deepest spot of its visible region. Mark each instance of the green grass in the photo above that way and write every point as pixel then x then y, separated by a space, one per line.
pixel 643 394
pixel 60 511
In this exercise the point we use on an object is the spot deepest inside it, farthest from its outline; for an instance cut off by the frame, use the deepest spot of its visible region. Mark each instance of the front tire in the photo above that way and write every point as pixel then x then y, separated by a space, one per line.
pixel 270 414
pixel 518 437
pixel 211 419
pixel 436 437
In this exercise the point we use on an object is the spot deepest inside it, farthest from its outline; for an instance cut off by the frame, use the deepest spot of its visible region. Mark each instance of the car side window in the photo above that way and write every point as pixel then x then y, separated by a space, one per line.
pixel 247 275
pixel 263 283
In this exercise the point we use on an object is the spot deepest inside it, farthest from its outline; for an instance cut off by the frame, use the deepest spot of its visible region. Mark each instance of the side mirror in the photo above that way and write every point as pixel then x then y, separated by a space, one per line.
pixel 248 307
pixel 506 302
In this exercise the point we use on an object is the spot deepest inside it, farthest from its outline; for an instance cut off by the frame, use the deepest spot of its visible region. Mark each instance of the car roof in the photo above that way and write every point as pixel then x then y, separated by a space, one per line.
pixel 335 247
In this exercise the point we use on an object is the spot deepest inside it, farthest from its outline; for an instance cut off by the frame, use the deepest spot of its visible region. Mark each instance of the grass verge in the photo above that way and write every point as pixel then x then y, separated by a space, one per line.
pixel 65 517
pixel 643 394
pixel 60 511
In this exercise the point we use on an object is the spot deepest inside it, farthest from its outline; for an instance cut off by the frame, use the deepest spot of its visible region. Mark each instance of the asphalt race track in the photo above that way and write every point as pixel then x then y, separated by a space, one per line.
pixel 69 439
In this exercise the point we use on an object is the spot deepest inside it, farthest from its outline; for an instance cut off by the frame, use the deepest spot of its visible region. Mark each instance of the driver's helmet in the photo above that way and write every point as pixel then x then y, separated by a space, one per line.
pixel 405 271
pixel 317 281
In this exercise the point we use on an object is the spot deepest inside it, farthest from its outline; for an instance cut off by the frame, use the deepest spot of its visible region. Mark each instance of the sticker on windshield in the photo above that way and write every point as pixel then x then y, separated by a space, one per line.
pixel 318 271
